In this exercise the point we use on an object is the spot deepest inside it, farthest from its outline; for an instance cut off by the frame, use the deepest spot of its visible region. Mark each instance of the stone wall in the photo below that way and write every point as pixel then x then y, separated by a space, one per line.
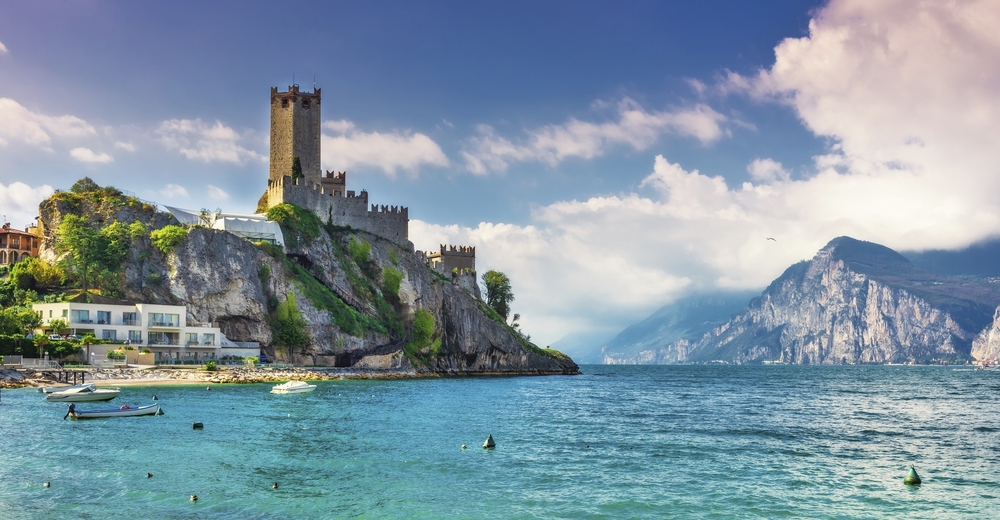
pixel 389 222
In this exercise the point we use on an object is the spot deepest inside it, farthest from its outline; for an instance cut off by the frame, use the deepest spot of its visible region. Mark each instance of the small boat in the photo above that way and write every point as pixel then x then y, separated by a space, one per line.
pixel 84 393
pixel 122 411
pixel 51 389
pixel 293 387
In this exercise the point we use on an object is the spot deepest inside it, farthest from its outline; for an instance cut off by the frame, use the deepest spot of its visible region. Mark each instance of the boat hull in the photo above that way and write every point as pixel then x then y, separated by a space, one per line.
pixel 54 389
pixel 293 387
pixel 149 409
pixel 101 394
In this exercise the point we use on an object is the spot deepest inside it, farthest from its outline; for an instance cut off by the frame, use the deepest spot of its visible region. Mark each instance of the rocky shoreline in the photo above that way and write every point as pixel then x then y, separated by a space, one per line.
pixel 237 375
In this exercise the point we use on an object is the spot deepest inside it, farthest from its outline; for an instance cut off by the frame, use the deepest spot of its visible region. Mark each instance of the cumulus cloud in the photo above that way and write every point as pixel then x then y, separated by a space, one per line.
pixel 88 156
pixel 767 170
pixel 127 146
pixel 19 125
pixel 551 144
pixel 390 152
pixel 906 91
pixel 173 190
pixel 200 141
pixel 20 202
pixel 217 193
pixel 3 49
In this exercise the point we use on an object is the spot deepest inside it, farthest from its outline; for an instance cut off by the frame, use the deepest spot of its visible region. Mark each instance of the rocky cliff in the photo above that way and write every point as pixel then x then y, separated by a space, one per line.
pixel 854 302
pixel 340 301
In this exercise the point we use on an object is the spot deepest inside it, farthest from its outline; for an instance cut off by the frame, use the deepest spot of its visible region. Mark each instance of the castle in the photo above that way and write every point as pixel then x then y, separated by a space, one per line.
pixel 295 138
pixel 296 177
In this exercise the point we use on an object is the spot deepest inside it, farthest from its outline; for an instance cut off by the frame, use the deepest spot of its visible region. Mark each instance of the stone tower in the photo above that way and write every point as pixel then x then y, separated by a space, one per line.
pixel 295 132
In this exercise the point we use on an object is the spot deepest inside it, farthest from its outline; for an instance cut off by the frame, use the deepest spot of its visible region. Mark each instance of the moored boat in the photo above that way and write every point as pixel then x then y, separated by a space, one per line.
pixel 84 393
pixel 293 387
pixel 122 411
pixel 51 389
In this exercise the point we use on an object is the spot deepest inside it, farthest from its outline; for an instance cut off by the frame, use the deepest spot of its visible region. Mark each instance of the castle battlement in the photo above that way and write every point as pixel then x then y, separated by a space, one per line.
pixel 296 134
pixel 461 258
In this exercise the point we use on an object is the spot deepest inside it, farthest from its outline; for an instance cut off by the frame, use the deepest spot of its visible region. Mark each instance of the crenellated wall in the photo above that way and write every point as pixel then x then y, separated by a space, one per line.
pixel 352 210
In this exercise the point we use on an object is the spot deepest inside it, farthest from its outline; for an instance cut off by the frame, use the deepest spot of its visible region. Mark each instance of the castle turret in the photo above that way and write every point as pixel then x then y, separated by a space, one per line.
pixel 295 133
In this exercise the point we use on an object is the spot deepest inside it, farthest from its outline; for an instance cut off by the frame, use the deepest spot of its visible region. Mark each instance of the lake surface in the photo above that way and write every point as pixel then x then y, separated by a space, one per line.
pixel 616 442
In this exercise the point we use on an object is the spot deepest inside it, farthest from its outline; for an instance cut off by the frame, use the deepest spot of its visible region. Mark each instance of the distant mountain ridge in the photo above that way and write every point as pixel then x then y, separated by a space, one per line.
pixel 854 302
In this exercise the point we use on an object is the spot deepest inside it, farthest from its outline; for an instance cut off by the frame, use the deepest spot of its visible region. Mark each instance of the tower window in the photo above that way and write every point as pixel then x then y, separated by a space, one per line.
pixel 284 103
pixel 305 103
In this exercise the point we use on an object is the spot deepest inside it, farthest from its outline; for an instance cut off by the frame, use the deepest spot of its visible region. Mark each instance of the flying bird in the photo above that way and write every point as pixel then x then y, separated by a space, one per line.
pixel 773 240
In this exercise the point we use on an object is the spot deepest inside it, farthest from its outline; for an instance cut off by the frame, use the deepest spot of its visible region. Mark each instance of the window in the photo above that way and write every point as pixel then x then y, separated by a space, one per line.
pixel 135 336
pixel 108 335
pixel 65 311
pixel 208 339
pixel 284 103
pixel 305 103
pixel 157 319
pixel 50 313
pixel 104 317
pixel 15 242
pixel 130 318
pixel 191 338
pixel 81 317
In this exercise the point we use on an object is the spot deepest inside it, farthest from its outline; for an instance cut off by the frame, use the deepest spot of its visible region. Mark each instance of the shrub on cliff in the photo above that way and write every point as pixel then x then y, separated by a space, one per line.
pixel 422 333
pixel 167 237
pixel 391 280
pixel 296 223
pixel 288 326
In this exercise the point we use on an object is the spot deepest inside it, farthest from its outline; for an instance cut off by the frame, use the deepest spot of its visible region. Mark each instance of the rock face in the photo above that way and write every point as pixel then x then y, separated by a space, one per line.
pixel 224 279
pixel 854 302
pixel 987 343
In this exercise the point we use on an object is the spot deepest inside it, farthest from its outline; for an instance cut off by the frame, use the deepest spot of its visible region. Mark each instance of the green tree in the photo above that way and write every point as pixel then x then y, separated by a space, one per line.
pixel 30 320
pixel 167 237
pixel 83 246
pixel 58 325
pixel 498 292
pixel 41 341
pixel 288 326
pixel 85 185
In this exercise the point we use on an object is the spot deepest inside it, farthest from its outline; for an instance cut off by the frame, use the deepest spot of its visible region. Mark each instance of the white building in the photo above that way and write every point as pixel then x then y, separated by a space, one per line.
pixel 255 228
pixel 164 329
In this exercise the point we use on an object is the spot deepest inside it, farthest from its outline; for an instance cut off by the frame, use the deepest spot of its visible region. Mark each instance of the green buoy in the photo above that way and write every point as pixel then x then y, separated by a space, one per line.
pixel 911 478
pixel 489 444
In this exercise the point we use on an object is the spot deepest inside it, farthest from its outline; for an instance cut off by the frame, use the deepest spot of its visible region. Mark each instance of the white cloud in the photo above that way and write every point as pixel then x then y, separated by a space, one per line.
pixel 88 156
pixel 128 147
pixel 20 202
pixel 200 141
pixel 217 193
pixel 907 92
pixel 551 144
pixel 389 152
pixel 767 170
pixel 22 126
pixel 3 49
pixel 173 190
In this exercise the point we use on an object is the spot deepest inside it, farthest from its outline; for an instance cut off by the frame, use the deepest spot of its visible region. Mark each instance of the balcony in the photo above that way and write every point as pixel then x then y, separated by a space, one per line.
pixel 169 324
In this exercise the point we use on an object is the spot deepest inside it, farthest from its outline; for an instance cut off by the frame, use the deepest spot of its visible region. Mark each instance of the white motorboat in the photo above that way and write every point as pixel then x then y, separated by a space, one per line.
pixel 122 411
pixel 293 387
pixel 84 393
pixel 50 389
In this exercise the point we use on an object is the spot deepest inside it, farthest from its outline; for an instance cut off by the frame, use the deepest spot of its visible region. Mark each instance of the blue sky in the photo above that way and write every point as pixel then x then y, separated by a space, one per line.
pixel 609 157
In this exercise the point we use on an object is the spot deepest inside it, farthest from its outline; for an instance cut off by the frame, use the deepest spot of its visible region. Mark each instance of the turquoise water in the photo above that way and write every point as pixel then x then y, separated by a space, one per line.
pixel 616 442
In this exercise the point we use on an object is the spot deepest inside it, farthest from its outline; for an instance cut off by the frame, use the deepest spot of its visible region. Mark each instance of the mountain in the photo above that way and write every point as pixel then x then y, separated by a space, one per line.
pixel 855 302
pixel 667 334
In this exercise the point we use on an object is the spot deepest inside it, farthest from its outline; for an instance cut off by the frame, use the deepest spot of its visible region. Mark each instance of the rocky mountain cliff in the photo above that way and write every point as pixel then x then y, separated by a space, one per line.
pixel 855 302
pixel 668 334
pixel 340 301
